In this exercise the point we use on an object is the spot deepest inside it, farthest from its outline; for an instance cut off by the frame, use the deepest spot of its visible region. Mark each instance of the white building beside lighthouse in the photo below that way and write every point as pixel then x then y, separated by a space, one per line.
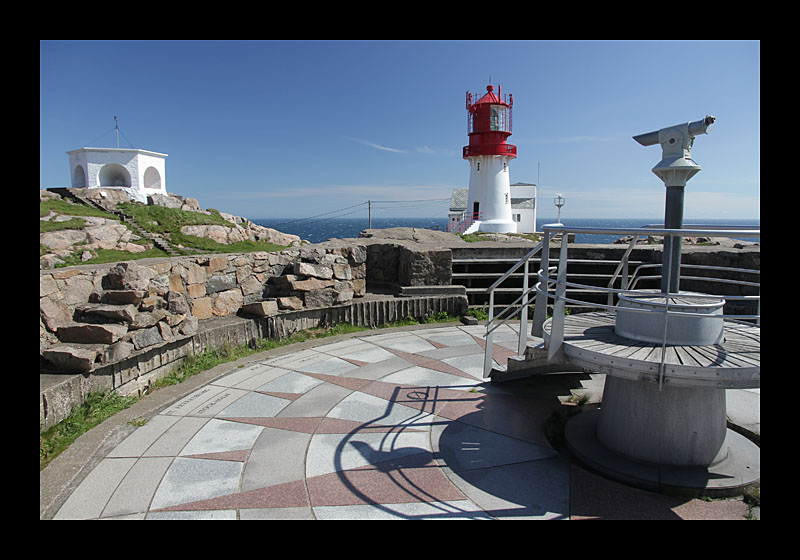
pixel 489 157
pixel 138 172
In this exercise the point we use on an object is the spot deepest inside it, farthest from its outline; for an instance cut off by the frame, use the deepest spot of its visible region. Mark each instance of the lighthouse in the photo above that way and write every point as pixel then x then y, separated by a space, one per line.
pixel 489 157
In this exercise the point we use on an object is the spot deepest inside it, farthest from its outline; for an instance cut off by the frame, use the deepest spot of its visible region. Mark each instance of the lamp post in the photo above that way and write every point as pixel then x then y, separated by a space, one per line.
pixel 559 202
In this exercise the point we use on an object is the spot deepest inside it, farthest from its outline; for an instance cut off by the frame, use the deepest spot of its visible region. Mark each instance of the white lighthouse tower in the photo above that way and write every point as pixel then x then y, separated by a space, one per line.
pixel 489 157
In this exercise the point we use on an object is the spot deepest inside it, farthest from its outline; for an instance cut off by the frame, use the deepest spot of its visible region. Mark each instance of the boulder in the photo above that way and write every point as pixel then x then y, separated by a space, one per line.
pixel 128 276
pixel 107 236
pixel 261 308
pixel 202 308
pixel 313 270
pixel 54 313
pixel 71 359
pixel 164 200
pixel 189 326
pixel 146 337
pixel 87 333
pixel 134 297
pixel 120 313
pixel 425 267
pixel 324 297
pixel 220 283
pixel 290 302
pixel 228 303
pixel 62 239
pixel 117 351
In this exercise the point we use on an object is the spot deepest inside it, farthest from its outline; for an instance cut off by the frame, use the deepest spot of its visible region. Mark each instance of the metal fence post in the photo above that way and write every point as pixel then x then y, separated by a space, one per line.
pixel 540 309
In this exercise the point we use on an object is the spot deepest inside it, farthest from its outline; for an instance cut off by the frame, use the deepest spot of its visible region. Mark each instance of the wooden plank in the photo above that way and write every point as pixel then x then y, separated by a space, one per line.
pixel 671 356
pixel 686 358
pixel 717 356
pixel 594 333
pixel 642 354
pixel 629 350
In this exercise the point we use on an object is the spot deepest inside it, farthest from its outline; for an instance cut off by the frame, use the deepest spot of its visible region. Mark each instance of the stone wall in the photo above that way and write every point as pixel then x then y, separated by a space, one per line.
pixel 95 315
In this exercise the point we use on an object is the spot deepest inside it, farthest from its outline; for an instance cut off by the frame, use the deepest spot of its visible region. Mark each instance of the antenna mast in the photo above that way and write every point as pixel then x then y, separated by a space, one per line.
pixel 116 128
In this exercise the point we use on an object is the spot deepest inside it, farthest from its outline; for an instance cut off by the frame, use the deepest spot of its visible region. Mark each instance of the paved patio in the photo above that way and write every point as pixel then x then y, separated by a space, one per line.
pixel 395 424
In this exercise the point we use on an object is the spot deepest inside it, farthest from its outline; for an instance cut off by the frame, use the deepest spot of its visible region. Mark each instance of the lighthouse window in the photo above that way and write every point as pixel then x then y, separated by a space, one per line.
pixel 498 118
pixel 478 166
pixel 506 198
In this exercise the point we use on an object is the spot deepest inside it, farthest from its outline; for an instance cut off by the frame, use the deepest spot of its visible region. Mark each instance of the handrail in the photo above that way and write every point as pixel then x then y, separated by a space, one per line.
pixel 464 221
pixel 515 266
pixel 544 282
pixel 522 310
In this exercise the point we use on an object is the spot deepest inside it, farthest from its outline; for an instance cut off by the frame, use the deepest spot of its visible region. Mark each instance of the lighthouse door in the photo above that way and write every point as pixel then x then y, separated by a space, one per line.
pixel 475 210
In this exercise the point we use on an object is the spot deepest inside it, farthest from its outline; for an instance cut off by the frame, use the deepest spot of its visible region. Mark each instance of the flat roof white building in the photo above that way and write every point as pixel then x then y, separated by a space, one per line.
pixel 138 172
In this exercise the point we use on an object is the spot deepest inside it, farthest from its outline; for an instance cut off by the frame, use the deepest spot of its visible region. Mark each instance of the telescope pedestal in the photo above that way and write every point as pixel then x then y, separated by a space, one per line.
pixel 663 431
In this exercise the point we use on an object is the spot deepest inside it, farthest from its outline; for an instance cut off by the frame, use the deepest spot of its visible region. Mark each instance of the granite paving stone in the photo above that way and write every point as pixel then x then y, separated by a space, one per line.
pixel 254 404
pixel 137 487
pixel 137 444
pixel 90 498
pixel 221 435
pixel 173 440
pixel 190 479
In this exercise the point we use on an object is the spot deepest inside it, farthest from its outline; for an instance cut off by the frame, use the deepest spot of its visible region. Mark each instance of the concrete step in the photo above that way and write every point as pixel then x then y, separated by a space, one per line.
pixel 533 362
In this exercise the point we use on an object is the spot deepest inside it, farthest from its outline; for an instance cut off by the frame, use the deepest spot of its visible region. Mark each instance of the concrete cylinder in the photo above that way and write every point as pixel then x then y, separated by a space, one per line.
pixel 680 426
pixel 704 327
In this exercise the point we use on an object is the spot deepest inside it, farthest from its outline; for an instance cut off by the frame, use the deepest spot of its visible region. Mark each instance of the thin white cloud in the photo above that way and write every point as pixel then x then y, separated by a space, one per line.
pixel 376 146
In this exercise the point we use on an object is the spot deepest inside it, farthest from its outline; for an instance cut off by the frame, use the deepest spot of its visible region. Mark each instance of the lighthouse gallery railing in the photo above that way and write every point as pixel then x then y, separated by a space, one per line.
pixel 555 278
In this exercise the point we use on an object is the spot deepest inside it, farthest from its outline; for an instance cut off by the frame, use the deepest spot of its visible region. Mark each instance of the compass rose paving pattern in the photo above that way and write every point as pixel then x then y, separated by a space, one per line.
pixel 398 425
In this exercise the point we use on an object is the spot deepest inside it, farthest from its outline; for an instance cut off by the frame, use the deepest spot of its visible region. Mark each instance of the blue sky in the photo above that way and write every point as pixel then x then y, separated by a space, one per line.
pixel 293 129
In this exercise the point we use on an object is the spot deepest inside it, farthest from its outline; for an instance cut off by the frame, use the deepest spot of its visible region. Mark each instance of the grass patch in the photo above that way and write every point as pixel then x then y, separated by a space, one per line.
pixel 95 409
pixel 480 313
pixel 205 245
pixel 471 237
pixel 157 219
pixel 73 223
pixel 72 209
pixel 110 255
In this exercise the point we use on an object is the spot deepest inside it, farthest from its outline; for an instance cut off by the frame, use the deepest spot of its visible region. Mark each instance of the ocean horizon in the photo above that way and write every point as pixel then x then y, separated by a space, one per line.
pixel 317 231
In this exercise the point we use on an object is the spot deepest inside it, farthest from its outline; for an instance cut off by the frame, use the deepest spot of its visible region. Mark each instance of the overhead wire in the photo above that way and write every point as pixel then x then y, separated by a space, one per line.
pixel 324 214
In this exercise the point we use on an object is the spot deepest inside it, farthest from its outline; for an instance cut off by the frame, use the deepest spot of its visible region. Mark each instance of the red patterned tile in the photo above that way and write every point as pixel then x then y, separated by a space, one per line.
pixel 358 363
pixel 307 425
pixel 288 494
pixel 240 455
pixel 346 382
pixel 499 354
pixel 414 478
pixel 430 363
pixel 340 426
pixel 287 396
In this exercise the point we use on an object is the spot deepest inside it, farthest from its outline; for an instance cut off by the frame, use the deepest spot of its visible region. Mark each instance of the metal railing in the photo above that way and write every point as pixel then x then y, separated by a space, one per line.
pixel 463 223
pixel 554 279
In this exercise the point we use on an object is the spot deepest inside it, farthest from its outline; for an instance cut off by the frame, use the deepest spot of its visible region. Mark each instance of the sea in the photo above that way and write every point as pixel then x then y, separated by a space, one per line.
pixel 318 230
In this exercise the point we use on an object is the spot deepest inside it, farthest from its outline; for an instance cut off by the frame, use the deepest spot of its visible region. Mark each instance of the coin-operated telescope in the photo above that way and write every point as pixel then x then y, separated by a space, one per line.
pixel 675 169
pixel 676 166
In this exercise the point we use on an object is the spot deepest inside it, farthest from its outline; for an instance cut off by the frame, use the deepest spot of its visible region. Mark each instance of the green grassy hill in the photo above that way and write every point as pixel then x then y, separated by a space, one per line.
pixel 164 222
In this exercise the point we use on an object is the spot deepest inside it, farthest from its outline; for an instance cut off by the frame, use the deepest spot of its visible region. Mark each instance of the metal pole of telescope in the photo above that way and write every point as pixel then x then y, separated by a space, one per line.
pixel 673 219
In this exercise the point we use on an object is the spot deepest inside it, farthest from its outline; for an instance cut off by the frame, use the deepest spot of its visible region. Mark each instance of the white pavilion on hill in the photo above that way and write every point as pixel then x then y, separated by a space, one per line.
pixel 138 172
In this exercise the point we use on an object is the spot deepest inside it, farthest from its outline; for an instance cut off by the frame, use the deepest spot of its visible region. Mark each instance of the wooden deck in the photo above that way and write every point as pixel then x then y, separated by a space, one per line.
pixel 590 343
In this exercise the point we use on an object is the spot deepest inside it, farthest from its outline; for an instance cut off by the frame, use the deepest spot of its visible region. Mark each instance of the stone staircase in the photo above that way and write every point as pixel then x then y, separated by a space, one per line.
pixel 477 269
pixel 77 196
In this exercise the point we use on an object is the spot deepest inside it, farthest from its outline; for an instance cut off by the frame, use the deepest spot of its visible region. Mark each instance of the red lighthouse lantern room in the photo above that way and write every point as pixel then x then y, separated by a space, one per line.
pixel 489 124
